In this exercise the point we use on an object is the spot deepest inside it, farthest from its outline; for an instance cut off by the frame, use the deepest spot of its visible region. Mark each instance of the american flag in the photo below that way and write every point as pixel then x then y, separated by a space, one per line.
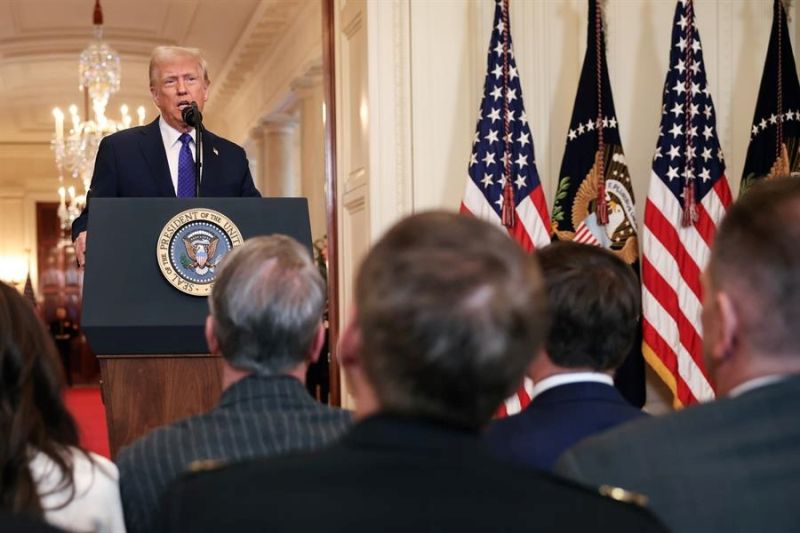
pixel 502 160
pixel 687 198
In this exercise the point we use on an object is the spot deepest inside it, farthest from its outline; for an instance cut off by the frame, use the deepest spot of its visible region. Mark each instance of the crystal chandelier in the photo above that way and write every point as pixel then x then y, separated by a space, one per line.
pixel 75 149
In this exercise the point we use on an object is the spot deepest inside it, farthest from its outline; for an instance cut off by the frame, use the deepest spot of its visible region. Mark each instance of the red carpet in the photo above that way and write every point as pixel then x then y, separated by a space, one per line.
pixel 86 406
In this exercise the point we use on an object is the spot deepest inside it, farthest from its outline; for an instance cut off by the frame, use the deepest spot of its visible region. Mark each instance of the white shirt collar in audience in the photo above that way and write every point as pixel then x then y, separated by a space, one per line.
pixel 569 377
pixel 755 383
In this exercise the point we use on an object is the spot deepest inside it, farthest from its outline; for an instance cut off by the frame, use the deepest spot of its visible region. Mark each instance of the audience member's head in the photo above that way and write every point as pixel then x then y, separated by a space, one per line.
pixel 449 312
pixel 266 308
pixel 752 287
pixel 32 414
pixel 594 305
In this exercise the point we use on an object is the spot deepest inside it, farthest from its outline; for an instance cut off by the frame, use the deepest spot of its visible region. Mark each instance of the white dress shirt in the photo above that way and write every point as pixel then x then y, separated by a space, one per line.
pixel 95 505
pixel 755 383
pixel 556 380
pixel 172 146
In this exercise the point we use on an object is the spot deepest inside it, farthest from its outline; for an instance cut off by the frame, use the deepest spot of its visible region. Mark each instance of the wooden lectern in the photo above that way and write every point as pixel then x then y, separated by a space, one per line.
pixel 149 335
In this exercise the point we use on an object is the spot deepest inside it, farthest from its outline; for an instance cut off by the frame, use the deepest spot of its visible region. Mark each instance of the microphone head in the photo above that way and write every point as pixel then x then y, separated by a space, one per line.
pixel 191 115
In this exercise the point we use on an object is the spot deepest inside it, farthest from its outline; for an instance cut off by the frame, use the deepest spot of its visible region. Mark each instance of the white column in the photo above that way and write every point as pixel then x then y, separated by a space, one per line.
pixel 252 148
pixel 308 91
pixel 279 173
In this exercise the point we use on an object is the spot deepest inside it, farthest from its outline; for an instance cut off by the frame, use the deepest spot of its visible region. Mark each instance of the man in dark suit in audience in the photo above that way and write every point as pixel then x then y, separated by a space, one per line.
pixel 594 307
pixel 448 314
pixel 266 323
pixel 732 464
pixel 157 160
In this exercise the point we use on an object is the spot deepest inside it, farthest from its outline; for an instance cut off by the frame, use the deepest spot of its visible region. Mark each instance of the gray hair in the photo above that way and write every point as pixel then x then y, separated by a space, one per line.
pixel 451 312
pixel 164 54
pixel 267 304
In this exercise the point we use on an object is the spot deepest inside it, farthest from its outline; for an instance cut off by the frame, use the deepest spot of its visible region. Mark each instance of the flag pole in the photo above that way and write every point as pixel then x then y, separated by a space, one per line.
pixel 508 211
pixel 602 206
pixel 689 216
pixel 781 154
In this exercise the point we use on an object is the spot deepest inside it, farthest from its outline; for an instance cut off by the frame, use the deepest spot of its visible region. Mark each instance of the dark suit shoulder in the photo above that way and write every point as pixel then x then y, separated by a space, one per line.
pixel 728 465
pixel 600 507
pixel 213 138
pixel 21 524
pixel 131 134
pixel 556 420
pixel 698 423
pixel 395 492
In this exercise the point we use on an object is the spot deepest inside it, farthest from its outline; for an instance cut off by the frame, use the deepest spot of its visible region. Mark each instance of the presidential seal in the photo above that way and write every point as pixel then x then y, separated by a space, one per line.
pixel 191 247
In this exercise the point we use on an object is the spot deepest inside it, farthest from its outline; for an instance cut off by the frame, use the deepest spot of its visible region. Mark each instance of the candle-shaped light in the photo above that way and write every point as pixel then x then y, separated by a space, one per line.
pixel 58 115
pixel 140 112
pixel 126 118
pixel 71 192
pixel 73 113
pixel 62 194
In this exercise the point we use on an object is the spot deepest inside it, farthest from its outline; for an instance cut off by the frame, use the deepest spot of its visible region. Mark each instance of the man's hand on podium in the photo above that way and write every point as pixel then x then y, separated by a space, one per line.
pixel 80 249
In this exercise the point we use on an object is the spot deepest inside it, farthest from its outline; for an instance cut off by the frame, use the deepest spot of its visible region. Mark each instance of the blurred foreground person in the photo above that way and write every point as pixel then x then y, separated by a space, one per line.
pixel 266 322
pixel 594 304
pixel 448 314
pixel 732 464
pixel 43 471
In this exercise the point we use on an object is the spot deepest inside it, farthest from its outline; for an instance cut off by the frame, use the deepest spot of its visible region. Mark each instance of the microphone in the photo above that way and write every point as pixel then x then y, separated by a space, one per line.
pixel 192 116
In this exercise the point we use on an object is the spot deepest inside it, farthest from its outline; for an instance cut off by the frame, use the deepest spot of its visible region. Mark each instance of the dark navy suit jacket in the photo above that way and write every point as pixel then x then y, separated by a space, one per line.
pixel 133 163
pixel 392 474
pixel 258 416
pixel 556 420
pixel 731 465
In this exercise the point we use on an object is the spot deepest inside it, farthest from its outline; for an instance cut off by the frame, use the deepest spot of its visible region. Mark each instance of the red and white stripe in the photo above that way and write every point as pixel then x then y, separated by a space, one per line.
pixel 584 235
pixel 531 231
pixel 673 257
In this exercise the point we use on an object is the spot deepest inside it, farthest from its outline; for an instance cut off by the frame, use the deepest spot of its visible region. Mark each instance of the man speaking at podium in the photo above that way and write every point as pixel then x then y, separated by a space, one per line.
pixel 158 160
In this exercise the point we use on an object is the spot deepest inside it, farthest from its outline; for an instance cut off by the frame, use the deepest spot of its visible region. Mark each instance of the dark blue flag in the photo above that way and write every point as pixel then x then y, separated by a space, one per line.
pixel 774 148
pixel 594 203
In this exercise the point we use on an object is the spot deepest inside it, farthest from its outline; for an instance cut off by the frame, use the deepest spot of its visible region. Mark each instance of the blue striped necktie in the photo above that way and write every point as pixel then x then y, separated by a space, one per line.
pixel 186 181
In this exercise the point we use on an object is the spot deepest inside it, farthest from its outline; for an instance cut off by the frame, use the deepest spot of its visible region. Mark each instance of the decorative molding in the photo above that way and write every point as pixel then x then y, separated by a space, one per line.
pixel 266 88
pixel 389 57
pixel 70 46
pixel 403 171
pixel 309 79
pixel 265 30
pixel 279 123
pixel 355 180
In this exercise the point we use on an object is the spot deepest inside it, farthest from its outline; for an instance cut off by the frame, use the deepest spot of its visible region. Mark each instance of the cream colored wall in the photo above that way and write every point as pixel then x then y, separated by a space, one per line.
pixel 424 66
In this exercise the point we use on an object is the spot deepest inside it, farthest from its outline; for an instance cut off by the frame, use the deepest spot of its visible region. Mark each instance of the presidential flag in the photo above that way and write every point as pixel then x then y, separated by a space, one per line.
pixel 774 148
pixel 503 185
pixel 594 203
pixel 687 198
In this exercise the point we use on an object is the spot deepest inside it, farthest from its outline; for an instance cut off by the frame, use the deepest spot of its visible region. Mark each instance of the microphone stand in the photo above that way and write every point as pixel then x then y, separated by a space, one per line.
pixel 198 163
